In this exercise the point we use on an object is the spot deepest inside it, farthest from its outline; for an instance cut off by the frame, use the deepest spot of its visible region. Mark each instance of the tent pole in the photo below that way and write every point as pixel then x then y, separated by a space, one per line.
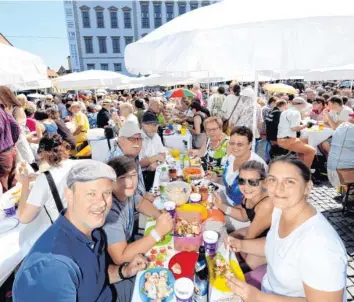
pixel 351 85
pixel 208 85
pixel 96 95
pixel 255 111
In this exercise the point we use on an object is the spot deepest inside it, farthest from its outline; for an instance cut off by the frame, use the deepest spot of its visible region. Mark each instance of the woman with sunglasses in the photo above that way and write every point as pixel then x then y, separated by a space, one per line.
pixel 239 150
pixel 306 259
pixel 255 207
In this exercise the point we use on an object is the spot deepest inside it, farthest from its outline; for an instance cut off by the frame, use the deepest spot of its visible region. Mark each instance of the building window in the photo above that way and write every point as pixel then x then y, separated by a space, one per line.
pixel 114 19
pixel 102 45
pixel 100 21
pixel 86 19
pixel 104 66
pixel 205 3
pixel 145 22
pixel 169 11
pixel 158 15
pixel 127 18
pixel 128 40
pixel 117 67
pixel 194 5
pixel 116 44
pixel 88 44
pixel 181 8
pixel 90 66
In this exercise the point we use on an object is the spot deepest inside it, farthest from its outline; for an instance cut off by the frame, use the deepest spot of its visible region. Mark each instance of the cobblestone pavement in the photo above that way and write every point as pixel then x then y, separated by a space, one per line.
pixel 322 198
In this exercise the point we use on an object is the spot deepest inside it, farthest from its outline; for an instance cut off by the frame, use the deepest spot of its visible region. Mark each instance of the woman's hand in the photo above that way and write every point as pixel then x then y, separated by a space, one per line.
pixel 246 292
pixel 217 201
pixel 211 175
pixel 233 243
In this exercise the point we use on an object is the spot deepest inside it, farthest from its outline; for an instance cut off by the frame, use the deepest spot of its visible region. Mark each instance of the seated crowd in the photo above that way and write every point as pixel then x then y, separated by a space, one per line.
pixel 288 249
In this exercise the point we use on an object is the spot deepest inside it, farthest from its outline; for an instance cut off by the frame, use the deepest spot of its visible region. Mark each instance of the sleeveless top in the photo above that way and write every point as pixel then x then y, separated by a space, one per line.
pixel 251 214
pixel 50 128
pixel 216 159
pixel 203 117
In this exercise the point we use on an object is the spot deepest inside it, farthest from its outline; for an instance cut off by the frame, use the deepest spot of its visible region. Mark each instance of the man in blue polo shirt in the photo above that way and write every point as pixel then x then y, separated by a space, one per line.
pixel 68 262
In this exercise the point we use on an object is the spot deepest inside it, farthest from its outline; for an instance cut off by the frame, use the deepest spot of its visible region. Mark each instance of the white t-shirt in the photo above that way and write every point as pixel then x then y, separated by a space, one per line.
pixel 151 146
pixel 132 118
pixel 341 116
pixel 231 174
pixel 41 195
pixel 229 105
pixel 312 254
pixel 290 118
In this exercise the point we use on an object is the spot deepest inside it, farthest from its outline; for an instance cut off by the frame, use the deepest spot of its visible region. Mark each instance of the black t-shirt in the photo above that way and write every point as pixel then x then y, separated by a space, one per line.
pixel 272 120
pixel 103 118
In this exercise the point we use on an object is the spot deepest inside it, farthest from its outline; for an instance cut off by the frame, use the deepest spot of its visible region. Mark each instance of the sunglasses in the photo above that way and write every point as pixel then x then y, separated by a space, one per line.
pixel 251 182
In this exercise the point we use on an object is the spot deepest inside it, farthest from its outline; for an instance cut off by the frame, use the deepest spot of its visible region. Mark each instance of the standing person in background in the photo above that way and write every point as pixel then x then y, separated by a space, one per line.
pixel 127 111
pixel 140 109
pixel 44 123
pixel 198 93
pixel 197 129
pixel 92 116
pixel 9 134
pixel 216 102
pixel 104 115
pixel 81 123
pixel 63 112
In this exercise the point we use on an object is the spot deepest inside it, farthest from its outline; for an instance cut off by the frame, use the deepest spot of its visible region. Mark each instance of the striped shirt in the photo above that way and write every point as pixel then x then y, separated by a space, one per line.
pixel 9 131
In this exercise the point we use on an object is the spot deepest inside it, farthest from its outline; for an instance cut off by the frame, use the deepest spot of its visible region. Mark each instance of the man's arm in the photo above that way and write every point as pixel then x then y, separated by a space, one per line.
pixel 146 207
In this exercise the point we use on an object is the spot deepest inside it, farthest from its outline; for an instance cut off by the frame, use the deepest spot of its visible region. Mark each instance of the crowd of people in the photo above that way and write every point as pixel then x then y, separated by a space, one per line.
pixel 94 207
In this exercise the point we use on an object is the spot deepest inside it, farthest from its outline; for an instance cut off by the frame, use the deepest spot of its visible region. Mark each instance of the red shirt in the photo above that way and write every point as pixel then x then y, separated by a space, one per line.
pixel 31 124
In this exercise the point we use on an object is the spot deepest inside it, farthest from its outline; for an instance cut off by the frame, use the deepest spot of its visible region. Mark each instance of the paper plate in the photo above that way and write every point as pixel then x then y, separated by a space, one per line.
pixel 170 283
pixel 166 240
pixel 190 207
pixel 8 224
pixel 187 262
pixel 220 282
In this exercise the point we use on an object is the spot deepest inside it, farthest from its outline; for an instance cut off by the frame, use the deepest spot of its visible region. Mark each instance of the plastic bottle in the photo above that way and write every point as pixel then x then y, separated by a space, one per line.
pixel 164 179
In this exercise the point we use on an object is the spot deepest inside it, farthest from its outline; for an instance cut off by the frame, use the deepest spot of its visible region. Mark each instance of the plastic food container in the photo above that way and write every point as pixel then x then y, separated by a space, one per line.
pixel 195 198
pixel 184 243
pixel 178 198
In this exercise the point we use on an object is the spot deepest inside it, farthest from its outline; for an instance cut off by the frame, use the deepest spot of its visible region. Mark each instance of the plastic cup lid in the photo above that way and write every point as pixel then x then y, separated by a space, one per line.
pixel 195 197
pixel 169 205
pixel 210 236
pixel 184 288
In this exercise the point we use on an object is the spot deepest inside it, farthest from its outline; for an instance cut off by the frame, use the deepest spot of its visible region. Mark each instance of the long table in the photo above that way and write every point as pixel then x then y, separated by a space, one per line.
pixel 16 243
pixel 214 294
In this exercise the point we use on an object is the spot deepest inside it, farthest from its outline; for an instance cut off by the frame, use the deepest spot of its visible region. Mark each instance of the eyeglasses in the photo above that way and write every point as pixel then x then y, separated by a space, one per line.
pixel 251 182
pixel 240 145
pixel 212 129
pixel 134 139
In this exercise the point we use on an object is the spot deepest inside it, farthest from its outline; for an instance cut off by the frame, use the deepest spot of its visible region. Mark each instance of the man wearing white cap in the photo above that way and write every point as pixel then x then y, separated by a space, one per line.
pixel 129 143
pixel 68 262
pixel 81 123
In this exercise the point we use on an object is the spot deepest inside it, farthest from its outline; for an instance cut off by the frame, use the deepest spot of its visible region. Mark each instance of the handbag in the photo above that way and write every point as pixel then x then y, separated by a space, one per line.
pixel 109 133
pixel 346 176
pixel 55 193
pixel 226 123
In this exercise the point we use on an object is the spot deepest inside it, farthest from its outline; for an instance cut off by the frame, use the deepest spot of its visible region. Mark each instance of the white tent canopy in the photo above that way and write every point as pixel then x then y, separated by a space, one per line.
pixel 20 69
pixel 91 79
pixel 327 74
pixel 248 36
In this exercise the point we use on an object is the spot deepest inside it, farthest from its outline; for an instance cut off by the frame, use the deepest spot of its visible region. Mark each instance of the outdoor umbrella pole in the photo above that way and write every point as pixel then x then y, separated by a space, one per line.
pixel 96 95
pixel 255 111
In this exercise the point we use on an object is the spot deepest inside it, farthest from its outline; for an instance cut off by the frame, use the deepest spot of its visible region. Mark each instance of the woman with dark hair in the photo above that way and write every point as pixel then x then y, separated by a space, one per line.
pixel 306 259
pixel 63 130
pixel 140 109
pixel 44 123
pixel 54 155
pixel 197 129
pixel 255 208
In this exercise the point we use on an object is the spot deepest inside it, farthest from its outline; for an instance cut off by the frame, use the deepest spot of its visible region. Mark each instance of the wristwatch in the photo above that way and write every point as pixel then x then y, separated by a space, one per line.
pixel 120 271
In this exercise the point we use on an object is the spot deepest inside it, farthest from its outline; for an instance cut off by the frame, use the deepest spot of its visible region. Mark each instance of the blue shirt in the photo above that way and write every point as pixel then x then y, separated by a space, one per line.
pixel 64 265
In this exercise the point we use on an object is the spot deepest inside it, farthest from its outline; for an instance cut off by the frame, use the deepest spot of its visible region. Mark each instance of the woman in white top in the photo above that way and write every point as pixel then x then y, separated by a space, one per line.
pixel 306 258
pixel 289 124
pixel 127 111
pixel 54 152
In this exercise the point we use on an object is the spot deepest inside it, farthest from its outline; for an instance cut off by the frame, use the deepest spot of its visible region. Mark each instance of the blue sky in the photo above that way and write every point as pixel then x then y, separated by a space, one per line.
pixel 30 19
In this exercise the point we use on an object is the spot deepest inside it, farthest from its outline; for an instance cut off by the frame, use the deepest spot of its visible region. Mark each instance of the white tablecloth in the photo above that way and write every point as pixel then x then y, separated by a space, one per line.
pixel 16 243
pixel 316 137
pixel 175 141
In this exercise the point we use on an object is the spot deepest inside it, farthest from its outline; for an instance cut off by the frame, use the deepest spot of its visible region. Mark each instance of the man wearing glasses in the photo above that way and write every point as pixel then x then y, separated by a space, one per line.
pixel 129 143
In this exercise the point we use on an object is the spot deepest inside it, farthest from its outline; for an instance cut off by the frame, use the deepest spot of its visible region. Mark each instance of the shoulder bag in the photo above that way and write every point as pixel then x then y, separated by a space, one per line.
pixel 55 193
pixel 226 123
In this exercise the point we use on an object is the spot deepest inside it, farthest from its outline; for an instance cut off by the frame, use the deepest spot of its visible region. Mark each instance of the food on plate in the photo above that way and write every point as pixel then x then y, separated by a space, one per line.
pixel 192 172
pixel 176 269
pixel 185 228
pixel 195 162
pixel 156 285
pixel 176 190
pixel 221 267
pixel 157 256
